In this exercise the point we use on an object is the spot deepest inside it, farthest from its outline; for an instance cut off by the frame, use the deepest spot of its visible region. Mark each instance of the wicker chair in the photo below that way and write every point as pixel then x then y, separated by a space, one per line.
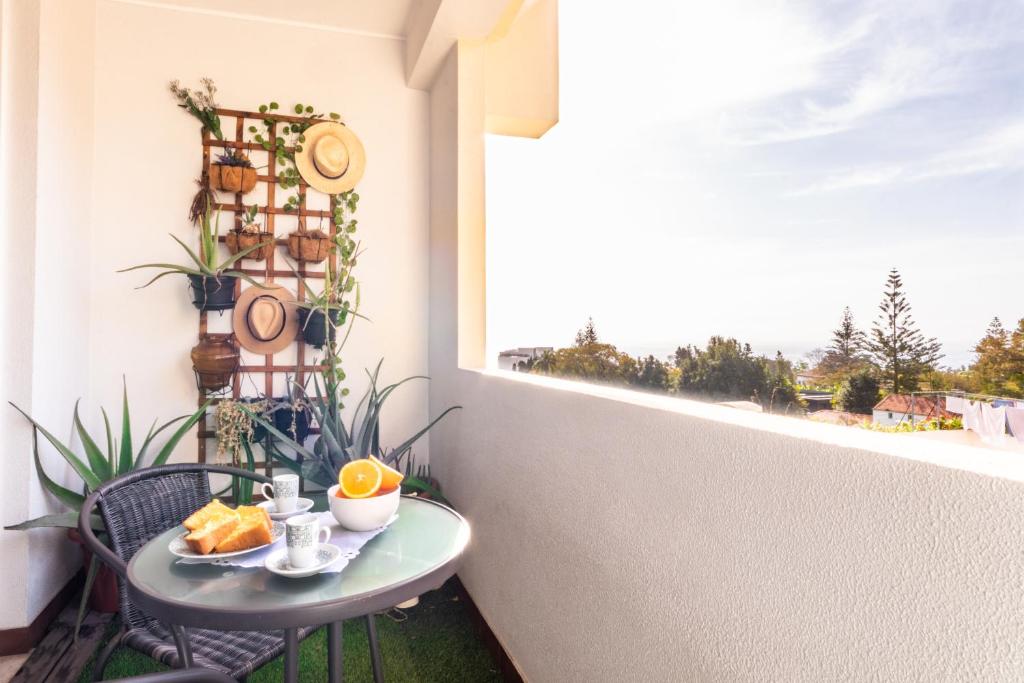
pixel 180 676
pixel 134 509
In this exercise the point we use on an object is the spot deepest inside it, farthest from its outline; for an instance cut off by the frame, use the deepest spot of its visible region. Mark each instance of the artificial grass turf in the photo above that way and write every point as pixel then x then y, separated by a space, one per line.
pixel 436 644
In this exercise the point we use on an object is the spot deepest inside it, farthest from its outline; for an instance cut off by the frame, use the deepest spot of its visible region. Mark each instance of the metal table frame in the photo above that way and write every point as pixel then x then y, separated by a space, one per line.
pixel 181 615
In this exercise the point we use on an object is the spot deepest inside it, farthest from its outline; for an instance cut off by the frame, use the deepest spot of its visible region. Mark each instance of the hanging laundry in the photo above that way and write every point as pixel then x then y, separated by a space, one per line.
pixel 992 424
pixel 955 404
pixel 972 416
pixel 1015 419
pixel 1002 403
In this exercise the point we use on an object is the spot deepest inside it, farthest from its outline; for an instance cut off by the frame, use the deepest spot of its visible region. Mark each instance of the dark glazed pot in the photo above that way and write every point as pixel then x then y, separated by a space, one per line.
pixel 283 421
pixel 215 360
pixel 315 329
pixel 211 293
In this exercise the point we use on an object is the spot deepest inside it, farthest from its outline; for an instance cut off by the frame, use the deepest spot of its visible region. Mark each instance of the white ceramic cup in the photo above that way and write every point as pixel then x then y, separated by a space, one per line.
pixel 284 491
pixel 303 535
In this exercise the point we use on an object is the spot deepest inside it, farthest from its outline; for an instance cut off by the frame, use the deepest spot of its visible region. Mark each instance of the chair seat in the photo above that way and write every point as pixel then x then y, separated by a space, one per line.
pixel 236 653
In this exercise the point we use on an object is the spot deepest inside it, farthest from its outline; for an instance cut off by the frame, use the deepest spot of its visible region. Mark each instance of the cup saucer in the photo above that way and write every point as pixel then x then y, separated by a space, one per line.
pixel 277 562
pixel 301 505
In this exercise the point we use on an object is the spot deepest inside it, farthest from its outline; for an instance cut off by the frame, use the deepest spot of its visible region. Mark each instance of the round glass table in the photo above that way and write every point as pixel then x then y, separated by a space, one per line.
pixel 417 553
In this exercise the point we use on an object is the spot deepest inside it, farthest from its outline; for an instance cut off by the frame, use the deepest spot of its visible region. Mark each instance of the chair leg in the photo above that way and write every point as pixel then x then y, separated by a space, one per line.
pixel 104 657
pixel 371 633
pixel 184 646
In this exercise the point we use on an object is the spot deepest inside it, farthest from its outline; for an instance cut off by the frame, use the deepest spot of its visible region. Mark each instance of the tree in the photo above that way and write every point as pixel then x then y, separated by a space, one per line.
pixel 652 374
pixel 590 361
pixel 588 335
pixel 859 393
pixel 846 353
pixel 896 344
pixel 994 364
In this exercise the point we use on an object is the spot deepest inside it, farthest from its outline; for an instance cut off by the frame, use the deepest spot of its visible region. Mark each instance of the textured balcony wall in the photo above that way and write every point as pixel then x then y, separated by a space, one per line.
pixel 622 537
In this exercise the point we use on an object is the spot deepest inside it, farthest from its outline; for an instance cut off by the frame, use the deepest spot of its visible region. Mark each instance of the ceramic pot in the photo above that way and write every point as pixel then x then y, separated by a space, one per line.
pixel 314 328
pixel 232 178
pixel 212 293
pixel 312 247
pixel 240 241
pixel 215 360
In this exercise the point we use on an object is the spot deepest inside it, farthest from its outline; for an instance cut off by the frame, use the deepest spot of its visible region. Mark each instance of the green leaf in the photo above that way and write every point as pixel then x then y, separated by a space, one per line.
pixel 92 482
pixel 69 498
pixel 273 105
pixel 263 109
pixel 335 115
pixel 410 441
pixel 298 108
pixel 62 520
pixel 83 604
pixel 97 461
pixel 165 452
pixel 195 257
pixel 309 110
pixel 111 457
pixel 125 464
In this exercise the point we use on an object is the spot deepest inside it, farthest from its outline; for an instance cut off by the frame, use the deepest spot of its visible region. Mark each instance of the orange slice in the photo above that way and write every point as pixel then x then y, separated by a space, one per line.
pixel 392 477
pixel 360 479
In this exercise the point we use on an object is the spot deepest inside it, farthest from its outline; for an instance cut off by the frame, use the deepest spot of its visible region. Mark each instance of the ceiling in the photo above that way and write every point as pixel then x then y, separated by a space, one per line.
pixel 383 17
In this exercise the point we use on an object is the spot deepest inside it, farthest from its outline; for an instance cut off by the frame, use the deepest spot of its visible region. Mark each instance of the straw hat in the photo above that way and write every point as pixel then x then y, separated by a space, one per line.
pixel 265 320
pixel 332 159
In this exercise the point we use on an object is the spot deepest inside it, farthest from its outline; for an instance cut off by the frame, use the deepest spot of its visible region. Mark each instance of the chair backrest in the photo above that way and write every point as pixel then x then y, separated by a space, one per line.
pixel 138 509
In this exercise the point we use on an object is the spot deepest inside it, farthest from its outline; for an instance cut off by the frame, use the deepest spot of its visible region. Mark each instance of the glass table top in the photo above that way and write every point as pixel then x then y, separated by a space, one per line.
pixel 423 538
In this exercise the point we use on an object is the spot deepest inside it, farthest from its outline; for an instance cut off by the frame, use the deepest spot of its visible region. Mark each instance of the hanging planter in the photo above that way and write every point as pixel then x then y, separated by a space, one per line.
pixel 212 293
pixel 315 328
pixel 250 236
pixel 233 172
pixel 311 247
pixel 292 418
pixel 215 361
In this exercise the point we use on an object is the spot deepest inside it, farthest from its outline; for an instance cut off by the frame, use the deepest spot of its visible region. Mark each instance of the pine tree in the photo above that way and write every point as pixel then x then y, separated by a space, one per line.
pixel 994 363
pixel 588 335
pixel 847 352
pixel 897 345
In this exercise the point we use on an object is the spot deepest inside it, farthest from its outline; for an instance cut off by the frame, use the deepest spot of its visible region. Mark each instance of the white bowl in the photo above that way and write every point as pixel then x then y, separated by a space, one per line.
pixel 363 514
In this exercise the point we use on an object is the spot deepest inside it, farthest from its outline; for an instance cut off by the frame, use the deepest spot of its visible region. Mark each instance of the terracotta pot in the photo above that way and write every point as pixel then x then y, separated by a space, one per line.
pixel 104 596
pixel 215 360
pixel 312 247
pixel 240 241
pixel 213 293
pixel 232 178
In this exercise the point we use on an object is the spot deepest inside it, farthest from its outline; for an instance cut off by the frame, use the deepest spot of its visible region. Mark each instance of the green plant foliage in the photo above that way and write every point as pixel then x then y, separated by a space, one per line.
pixel 100 466
pixel 340 443
pixel 860 393
pixel 200 104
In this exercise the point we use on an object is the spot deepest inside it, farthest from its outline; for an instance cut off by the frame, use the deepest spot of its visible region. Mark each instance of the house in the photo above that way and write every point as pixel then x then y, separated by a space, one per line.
pixel 897 408
pixel 514 359
pixel 816 400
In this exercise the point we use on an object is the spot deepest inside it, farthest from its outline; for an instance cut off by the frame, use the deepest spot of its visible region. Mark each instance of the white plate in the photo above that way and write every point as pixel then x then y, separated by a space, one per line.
pixel 277 562
pixel 301 505
pixel 180 548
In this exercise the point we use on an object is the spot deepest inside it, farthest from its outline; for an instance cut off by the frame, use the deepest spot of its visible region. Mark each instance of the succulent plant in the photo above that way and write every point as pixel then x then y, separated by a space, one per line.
pixel 234 157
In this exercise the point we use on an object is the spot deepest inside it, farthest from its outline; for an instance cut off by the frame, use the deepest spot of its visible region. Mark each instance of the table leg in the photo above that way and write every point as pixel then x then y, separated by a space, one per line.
pixel 371 632
pixel 181 641
pixel 335 655
pixel 291 655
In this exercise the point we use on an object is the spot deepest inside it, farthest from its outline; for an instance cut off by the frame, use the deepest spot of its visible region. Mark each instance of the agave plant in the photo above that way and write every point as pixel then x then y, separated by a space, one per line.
pixel 340 443
pixel 99 466
pixel 207 263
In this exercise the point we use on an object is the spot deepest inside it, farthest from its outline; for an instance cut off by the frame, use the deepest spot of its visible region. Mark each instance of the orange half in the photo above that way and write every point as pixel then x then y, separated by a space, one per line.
pixel 360 479
pixel 392 477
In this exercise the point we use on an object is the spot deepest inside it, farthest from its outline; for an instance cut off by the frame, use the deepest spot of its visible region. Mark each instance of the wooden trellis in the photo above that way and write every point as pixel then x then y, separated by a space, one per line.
pixel 269 270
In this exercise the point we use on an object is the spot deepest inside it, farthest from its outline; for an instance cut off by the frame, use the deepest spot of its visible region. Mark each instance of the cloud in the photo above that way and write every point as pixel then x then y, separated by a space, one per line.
pixel 1000 149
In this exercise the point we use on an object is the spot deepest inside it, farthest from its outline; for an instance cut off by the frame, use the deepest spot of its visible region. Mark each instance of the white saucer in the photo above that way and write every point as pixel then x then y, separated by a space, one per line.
pixel 277 562
pixel 301 505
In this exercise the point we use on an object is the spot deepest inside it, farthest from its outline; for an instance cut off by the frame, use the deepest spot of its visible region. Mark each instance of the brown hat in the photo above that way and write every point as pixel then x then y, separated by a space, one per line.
pixel 265 320
pixel 332 159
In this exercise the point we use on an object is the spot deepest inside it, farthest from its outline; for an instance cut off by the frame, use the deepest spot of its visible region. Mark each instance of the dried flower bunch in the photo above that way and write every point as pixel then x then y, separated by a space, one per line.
pixel 200 103
pixel 234 426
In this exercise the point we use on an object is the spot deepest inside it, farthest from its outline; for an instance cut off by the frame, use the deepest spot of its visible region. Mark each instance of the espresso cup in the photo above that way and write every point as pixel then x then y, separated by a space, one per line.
pixel 284 491
pixel 303 535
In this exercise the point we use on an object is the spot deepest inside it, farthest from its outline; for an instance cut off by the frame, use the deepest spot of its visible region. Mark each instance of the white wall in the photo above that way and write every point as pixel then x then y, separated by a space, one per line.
pixel 621 536
pixel 148 152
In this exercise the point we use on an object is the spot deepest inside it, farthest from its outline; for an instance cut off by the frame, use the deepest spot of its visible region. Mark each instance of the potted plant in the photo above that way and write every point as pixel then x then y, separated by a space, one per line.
pixel 250 234
pixel 200 104
pixel 100 465
pixel 233 172
pixel 215 360
pixel 212 283
pixel 312 246
pixel 339 443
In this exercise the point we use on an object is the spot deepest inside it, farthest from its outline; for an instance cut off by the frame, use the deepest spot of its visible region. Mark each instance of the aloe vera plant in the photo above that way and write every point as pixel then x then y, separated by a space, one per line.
pixel 340 443
pixel 99 466
pixel 207 263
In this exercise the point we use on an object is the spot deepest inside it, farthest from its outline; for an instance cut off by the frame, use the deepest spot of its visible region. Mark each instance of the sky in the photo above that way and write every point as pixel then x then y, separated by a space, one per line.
pixel 748 168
